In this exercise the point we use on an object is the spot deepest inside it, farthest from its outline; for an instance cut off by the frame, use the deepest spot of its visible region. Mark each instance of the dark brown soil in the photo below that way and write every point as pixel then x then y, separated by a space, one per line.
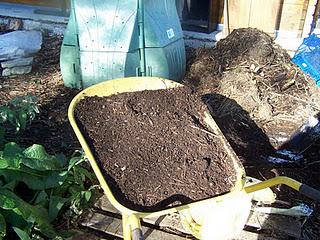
pixel 155 147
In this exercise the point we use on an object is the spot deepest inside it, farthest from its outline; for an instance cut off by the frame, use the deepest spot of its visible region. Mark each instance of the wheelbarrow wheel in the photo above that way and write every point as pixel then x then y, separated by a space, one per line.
pixel 137 234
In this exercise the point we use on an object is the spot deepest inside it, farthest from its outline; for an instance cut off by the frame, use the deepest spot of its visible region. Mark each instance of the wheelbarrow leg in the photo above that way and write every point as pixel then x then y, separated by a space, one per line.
pixel 126 227
pixel 131 227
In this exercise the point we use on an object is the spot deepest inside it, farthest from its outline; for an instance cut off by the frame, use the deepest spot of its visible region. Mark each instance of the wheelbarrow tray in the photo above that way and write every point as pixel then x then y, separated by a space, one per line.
pixel 136 84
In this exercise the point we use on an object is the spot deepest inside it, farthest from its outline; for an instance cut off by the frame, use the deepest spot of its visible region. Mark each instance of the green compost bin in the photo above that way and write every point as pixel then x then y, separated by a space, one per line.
pixel 114 39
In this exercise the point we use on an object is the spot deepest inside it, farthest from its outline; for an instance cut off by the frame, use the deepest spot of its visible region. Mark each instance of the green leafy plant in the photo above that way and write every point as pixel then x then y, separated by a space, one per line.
pixel 19 112
pixel 34 185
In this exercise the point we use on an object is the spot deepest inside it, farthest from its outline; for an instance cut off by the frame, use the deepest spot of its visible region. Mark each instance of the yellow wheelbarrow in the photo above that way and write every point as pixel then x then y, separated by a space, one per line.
pixel 228 212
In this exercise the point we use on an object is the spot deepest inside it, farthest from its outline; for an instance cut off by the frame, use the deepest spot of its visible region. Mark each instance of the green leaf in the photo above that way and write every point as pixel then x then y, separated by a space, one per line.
pixel 32 166
pixel 21 234
pixel 74 161
pixel 42 198
pixel 22 118
pixel 14 219
pixel 12 154
pixel 86 173
pixel 55 205
pixel 87 196
pixel 2 137
pixel 35 180
pixel 3 162
pixel 31 214
pixel 3 227
pixel 37 158
pixel 10 185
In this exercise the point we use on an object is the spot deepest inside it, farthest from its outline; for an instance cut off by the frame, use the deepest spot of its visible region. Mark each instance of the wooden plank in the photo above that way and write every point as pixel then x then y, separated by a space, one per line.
pixel 246 235
pixel 296 2
pixel 171 221
pixel 280 225
pixel 103 223
pixel 113 226
pixel 79 235
pixel 259 14
pixel 264 15
pixel 316 12
pixel 104 204
pixel 293 15
pixel 221 9
pixel 284 225
pixel 239 13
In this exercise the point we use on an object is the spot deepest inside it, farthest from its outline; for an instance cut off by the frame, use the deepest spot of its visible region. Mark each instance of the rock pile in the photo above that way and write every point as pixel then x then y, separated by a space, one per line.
pixel 17 50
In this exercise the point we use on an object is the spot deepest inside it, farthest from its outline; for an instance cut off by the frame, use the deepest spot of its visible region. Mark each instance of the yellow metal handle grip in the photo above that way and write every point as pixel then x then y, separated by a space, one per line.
pixel 298 186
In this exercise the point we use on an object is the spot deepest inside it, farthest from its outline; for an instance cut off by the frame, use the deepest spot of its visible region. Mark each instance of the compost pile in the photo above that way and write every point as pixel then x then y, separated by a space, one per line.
pixel 155 148
pixel 256 94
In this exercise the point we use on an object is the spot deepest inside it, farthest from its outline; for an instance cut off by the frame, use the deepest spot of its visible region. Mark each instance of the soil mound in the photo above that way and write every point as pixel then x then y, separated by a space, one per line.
pixel 265 86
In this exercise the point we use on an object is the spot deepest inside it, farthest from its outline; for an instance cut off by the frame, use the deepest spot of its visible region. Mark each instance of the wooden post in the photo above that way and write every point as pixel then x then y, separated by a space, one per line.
pixel 215 14
pixel 309 18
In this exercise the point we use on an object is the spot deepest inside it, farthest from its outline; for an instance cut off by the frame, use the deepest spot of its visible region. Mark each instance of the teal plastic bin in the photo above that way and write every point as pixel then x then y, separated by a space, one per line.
pixel 113 39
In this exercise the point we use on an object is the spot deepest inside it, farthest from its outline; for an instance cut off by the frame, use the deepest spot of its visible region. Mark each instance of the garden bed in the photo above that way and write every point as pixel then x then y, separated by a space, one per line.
pixel 154 147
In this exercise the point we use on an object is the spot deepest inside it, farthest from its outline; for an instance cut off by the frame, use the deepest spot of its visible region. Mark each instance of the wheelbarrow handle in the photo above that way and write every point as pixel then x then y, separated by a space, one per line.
pixel 310 192
pixel 298 186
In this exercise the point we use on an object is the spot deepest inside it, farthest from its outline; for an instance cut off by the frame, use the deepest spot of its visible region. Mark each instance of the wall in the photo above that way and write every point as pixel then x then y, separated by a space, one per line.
pixel 285 17
pixel 47 3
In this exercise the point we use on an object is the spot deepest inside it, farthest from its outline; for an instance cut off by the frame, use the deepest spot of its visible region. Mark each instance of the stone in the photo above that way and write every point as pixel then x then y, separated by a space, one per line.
pixel 21 70
pixel 17 62
pixel 6 72
pixel 14 24
pixel 16 71
pixel 19 44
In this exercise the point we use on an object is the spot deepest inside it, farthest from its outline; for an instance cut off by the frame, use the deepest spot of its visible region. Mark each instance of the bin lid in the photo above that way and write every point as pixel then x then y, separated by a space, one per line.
pixel 107 25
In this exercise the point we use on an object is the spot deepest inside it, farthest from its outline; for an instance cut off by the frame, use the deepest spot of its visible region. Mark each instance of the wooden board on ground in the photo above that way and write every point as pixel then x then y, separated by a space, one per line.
pixel 165 222
pixel 282 225
pixel 113 226
pixel 105 218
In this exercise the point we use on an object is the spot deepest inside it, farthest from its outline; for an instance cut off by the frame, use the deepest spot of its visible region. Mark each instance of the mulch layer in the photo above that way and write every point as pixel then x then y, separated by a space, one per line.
pixel 155 148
